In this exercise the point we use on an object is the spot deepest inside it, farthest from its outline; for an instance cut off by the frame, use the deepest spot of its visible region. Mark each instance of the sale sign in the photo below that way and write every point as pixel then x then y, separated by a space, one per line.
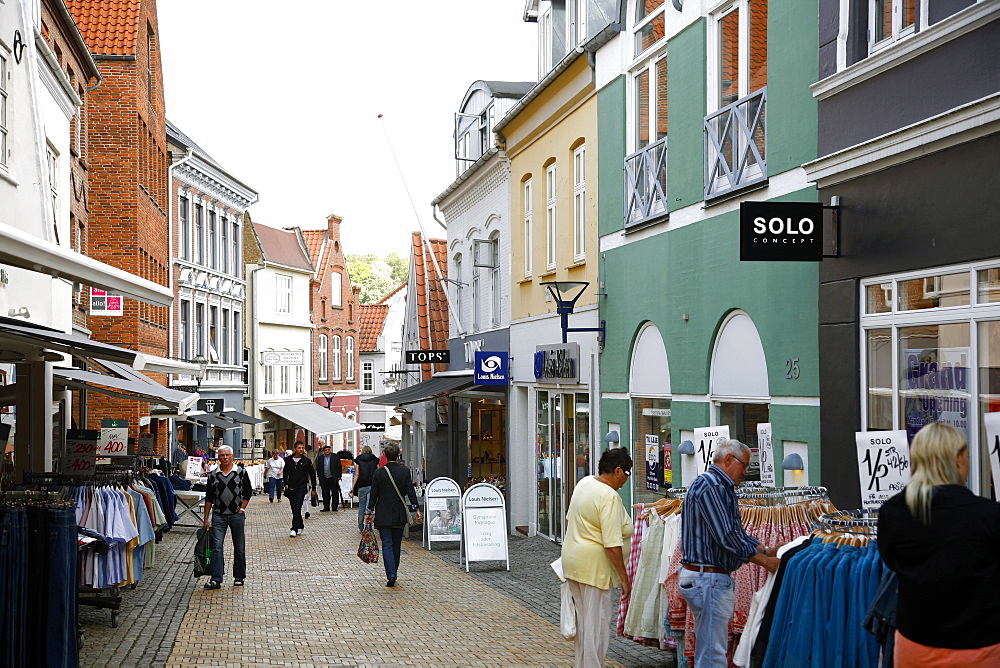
pixel 81 451
pixel 992 422
pixel 705 440
pixel 765 452
pixel 883 465
pixel 113 442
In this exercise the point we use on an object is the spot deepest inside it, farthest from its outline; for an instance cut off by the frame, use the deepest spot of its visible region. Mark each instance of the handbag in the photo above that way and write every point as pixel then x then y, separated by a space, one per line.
pixel 409 515
pixel 567 612
pixel 368 548
pixel 203 553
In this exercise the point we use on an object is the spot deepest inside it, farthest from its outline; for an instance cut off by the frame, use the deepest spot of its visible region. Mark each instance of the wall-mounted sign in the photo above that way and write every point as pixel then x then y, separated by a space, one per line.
pixel 781 231
pixel 427 357
pixel 105 303
pixel 656 412
pixel 558 363
pixel 883 465
pixel 211 405
pixel 373 426
pixel 705 440
pixel 490 368
pixel 283 357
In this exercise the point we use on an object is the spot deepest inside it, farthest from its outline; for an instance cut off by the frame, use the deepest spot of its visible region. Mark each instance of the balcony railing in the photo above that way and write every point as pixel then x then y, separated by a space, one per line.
pixel 646 183
pixel 735 145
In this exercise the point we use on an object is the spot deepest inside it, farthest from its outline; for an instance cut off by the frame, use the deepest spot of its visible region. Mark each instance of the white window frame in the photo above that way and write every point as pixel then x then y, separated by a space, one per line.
pixel 367 376
pixel 528 241
pixel 495 286
pixel 336 289
pixel 897 31
pixel 212 239
pixel 894 319
pixel 236 241
pixel 545 40
pixel 283 379
pixel 580 203
pixel 224 244
pixel 457 292
pixel 639 24
pixel 300 374
pixel 649 66
pixel 52 162
pixel 184 329
pixel 335 354
pixel 323 360
pixel 714 60
pixel 198 234
pixel 576 22
pixel 476 299
pixel 184 222
pixel 282 293
pixel 4 93
pixel 551 192
pixel 269 380
pixel 349 353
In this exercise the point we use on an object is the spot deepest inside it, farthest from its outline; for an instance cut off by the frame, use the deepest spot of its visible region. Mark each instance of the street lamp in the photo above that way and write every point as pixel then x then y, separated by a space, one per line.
pixel 329 399
pixel 202 363
pixel 565 294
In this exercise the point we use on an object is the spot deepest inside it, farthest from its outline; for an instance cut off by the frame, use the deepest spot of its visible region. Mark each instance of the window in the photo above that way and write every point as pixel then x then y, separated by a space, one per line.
pixel 3 109
pixel 889 20
pixel 268 379
pixel 527 228
pixel 649 23
pixel 457 289
pixel 336 289
pixel 495 287
pixel 322 356
pixel 236 249
pixel 224 245
pixel 487 120
pixel 651 427
pixel 350 358
pixel 199 330
pixel 550 217
pixel 224 356
pixel 237 343
pixel 300 375
pixel 576 22
pixel 199 234
pixel 476 299
pixel 579 203
pixel 284 374
pixel 184 222
pixel 367 376
pixel 545 42
pixel 184 334
pixel 213 328
pixel 646 167
pixel 52 158
pixel 213 246
pixel 336 357
pixel 283 293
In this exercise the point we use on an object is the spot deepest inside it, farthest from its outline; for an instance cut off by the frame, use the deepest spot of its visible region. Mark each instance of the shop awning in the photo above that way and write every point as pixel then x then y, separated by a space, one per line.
pixel 20 335
pixel 313 417
pixel 131 386
pixel 428 389
pixel 208 420
pixel 241 417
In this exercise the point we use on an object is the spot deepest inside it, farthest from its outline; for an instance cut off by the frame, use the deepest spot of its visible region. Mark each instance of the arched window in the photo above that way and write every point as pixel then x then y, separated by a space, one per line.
pixel 322 356
pixel 336 289
pixel 336 358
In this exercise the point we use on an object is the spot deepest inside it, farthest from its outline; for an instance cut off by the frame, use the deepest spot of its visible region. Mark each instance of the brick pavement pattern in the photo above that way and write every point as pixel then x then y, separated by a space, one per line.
pixel 334 610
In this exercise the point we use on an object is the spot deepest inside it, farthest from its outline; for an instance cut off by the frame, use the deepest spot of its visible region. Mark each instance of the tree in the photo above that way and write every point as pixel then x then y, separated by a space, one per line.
pixel 377 277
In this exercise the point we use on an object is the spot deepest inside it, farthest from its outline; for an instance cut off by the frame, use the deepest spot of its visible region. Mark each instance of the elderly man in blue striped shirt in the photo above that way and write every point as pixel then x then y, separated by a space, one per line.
pixel 713 545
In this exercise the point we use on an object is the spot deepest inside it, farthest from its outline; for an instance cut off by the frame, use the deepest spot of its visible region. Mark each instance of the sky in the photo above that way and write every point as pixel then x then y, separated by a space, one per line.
pixel 288 101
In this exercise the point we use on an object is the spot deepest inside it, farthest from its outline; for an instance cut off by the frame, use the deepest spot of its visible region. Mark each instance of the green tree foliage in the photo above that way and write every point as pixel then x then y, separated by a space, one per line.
pixel 376 276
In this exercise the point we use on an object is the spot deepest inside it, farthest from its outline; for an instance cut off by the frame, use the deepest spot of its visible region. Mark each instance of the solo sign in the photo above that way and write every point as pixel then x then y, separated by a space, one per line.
pixel 883 465
pixel 791 231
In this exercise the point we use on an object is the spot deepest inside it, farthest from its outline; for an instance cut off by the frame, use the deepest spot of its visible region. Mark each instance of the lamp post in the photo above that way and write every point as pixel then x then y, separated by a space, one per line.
pixel 202 363
pixel 565 294
pixel 329 399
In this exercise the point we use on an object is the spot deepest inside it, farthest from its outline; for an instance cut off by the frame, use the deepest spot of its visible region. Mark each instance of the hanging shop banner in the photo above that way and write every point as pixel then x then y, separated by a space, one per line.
pixel 781 231
pixel 883 465
pixel 490 368
pixel 765 454
pixel 557 363
pixel 81 451
pixel 105 303
pixel 936 388
pixel 992 421
pixel 427 357
pixel 113 442
pixel 653 468
pixel 484 516
pixel 705 440
pixel 443 500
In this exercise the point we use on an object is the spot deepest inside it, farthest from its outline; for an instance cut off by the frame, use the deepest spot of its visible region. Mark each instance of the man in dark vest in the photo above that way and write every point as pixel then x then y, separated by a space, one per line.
pixel 328 470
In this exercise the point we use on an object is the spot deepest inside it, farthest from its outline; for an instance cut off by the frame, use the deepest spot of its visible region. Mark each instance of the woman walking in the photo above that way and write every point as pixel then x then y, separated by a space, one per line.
pixel 274 466
pixel 390 484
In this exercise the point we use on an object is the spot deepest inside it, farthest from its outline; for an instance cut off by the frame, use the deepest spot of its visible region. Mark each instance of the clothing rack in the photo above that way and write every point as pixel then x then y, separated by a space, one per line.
pixel 847 519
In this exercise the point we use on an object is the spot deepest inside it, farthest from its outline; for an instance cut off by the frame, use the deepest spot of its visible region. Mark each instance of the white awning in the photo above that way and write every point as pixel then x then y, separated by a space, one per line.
pixel 22 249
pixel 126 386
pixel 313 417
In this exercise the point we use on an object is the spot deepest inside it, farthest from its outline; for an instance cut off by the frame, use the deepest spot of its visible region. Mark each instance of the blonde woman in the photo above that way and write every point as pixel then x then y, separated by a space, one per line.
pixel 943 542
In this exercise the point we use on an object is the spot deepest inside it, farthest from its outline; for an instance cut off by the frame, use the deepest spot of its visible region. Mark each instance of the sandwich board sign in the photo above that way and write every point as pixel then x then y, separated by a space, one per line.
pixel 484 516
pixel 443 499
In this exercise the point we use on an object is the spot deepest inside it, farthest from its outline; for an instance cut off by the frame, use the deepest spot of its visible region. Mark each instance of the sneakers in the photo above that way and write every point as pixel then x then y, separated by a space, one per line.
pixel 237 583
pixel 270 499
pixel 307 515
pixel 292 534
pixel 212 584
pixel 391 582
pixel 299 532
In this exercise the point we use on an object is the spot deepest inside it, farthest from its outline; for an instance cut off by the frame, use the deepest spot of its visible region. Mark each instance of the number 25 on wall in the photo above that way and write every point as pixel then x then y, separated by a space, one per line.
pixel 792 368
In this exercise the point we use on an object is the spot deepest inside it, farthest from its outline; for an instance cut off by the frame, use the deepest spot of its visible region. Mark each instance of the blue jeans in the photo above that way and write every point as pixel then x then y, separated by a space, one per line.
pixel 392 545
pixel 712 598
pixel 363 493
pixel 61 633
pixel 235 523
pixel 275 485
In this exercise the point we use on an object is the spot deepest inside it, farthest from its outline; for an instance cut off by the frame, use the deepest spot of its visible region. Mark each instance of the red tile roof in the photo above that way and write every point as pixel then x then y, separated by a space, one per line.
pixel 372 318
pixel 314 244
pixel 110 27
pixel 282 247
pixel 432 304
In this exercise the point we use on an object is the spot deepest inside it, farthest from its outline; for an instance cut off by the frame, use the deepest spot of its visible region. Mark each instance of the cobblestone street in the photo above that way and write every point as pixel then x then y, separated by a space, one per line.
pixel 310 601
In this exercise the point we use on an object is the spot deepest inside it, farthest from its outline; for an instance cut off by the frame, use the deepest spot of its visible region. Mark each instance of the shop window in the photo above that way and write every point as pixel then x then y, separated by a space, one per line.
pixel 652 448
pixel 742 420
pixel 989 286
pixel 879 354
pixel 934 292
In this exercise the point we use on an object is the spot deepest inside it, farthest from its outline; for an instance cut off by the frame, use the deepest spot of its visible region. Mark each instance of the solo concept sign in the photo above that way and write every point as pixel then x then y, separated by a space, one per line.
pixel 781 231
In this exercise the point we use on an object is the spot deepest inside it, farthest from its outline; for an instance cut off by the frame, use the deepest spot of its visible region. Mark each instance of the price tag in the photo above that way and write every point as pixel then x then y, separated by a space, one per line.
pixel 145 447
pixel 883 465
pixel 113 442
pixel 81 451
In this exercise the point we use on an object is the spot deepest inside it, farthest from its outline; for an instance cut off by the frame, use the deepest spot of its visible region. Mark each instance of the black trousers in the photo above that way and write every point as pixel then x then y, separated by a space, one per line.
pixel 327 485
pixel 295 497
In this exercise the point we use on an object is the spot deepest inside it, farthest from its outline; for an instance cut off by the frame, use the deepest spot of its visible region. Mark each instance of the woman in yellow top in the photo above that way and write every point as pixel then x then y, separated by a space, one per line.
pixel 597 533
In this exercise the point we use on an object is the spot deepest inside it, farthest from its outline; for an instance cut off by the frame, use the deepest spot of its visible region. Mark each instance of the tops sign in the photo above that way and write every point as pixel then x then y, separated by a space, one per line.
pixel 427 357
pixel 791 231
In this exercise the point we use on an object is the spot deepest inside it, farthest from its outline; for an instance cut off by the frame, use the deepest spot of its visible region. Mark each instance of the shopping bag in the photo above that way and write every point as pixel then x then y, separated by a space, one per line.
pixel 368 549
pixel 203 553
pixel 567 612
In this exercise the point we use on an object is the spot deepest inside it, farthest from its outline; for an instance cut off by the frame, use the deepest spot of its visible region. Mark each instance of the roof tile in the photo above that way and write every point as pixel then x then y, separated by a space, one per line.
pixel 109 27
pixel 372 318
pixel 432 303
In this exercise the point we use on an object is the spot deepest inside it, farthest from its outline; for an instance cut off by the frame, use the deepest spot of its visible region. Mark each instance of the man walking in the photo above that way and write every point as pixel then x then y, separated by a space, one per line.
pixel 328 470
pixel 713 545
pixel 367 464
pixel 226 499
pixel 299 473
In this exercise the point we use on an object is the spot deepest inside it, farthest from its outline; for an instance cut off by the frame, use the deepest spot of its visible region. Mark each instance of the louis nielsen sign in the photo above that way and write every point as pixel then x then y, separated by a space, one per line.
pixel 781 231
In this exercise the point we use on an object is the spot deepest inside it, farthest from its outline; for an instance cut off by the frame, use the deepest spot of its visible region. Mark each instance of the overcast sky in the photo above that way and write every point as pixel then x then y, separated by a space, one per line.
pixel 286 98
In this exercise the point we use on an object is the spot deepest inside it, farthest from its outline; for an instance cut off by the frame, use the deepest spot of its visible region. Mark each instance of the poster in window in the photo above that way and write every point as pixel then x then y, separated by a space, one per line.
pixel 653 469
pixel 935 388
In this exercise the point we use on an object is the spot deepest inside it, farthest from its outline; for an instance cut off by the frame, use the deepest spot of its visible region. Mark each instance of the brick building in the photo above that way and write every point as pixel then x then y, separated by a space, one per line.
pixel 127 164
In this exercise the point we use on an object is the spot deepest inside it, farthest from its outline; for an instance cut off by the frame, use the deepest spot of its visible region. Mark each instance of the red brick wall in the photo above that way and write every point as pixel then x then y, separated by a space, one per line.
pixel 341 320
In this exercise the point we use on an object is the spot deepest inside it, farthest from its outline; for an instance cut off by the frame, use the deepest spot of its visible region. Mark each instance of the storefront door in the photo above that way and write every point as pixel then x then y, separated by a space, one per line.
pixel 563 456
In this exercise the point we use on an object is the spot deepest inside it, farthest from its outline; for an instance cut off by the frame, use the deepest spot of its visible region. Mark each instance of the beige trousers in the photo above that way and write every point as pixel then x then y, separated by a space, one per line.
pixel 593 625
